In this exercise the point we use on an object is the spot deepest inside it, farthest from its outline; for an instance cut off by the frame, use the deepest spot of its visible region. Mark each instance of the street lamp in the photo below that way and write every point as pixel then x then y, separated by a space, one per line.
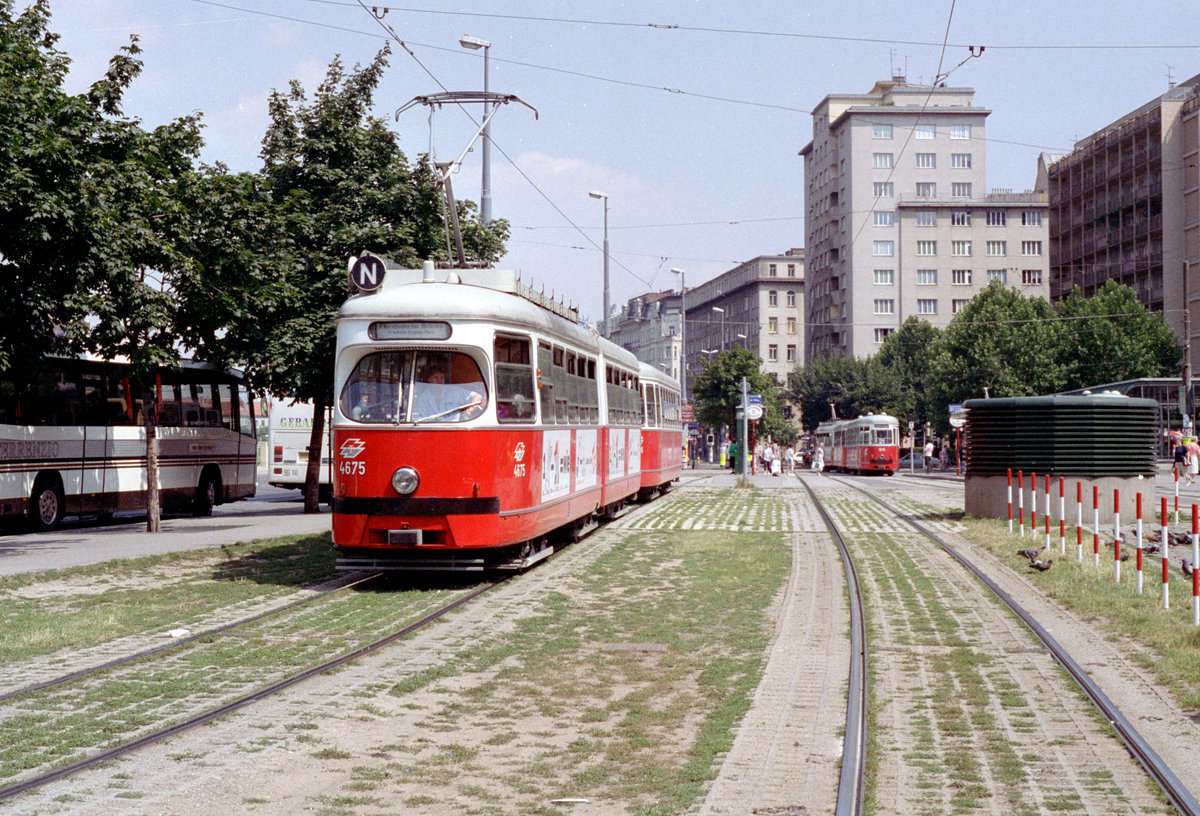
pixel 485 189
pixel 722 311
pixel 742 337
pixel 682 335
pixel 604 323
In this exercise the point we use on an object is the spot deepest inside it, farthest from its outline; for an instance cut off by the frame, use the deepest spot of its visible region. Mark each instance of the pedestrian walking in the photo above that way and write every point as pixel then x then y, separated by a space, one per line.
pixel 1193 463
pixel 928 451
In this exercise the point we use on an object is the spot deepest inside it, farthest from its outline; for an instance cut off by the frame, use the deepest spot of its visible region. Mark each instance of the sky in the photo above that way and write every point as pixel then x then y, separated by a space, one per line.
pixel 689 115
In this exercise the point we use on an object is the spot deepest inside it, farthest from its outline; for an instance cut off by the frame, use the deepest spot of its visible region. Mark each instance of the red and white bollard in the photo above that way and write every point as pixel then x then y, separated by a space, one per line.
pixel 1139 543
pixel 1166 562
pixel 1096 524
pixel 1195 565
pixel 1079 522
pixel 1033 505
pixel 1047 513
pixel 1176 469
pixel 1010 500
pixel 1062 515
pixel 1021 502
pixel 1116 536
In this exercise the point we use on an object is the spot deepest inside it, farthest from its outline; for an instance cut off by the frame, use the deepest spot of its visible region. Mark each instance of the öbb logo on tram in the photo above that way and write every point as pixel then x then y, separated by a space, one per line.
pixel 478 424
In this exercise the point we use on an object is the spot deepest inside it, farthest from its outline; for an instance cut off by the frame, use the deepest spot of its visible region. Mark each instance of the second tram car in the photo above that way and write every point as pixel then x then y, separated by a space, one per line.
pixel 867 444
pixel 477 423
pixel 662 432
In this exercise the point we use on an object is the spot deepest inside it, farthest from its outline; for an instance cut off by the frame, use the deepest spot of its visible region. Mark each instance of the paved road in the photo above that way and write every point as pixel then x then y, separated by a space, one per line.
pixel 273 512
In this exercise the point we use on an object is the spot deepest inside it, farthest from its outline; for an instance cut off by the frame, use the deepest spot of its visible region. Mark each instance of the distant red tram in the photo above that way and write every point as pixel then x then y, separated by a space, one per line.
pixel 477 424
pixel 867 444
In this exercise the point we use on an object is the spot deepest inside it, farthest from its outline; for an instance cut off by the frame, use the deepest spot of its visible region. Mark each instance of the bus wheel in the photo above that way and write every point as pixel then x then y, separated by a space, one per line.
pixel 206 496
pixel 46 504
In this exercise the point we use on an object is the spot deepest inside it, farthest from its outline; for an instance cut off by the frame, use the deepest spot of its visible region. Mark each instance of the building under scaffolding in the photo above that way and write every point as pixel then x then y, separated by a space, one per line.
pixel 1125 206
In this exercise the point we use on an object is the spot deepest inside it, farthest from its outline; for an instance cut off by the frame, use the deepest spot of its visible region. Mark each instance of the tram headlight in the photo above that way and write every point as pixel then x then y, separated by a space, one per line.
pixel 405 480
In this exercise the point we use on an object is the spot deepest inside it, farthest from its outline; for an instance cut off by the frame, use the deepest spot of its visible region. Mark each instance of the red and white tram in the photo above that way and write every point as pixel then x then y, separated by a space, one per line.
pixel 477 422
pixel 662 431
pixel 868 444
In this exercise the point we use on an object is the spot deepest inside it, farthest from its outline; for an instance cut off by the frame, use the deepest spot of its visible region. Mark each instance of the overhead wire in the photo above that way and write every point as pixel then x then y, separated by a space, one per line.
pixel 746 32
pixel 392 34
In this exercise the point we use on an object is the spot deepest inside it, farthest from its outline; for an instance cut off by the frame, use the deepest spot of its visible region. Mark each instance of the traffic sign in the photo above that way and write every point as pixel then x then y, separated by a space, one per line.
pixel 958 419
pixel 367 272
pixel 754 411
pixel 754 399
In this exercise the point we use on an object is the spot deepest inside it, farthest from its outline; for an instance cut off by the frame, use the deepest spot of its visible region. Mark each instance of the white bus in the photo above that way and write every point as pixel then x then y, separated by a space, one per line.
pixel 288 435
pixel 73 442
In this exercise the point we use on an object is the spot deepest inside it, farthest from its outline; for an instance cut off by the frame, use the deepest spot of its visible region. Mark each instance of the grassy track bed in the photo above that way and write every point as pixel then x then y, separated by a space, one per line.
pixel 621 683
pixel 1167 642
pixel 60 724
pixel 969 714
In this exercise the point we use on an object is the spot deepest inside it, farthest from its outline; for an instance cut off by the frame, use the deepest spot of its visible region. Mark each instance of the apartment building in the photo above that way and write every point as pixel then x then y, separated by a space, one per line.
pixel 898 221
pixel 649 327
pixel 1125 206
pixel 758 305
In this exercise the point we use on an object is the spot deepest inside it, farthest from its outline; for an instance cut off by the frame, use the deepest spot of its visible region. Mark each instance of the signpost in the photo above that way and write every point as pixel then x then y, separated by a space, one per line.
pixel 958 418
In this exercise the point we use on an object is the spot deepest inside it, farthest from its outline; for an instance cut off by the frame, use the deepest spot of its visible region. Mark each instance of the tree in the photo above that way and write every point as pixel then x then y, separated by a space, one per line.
pixel 341 185
pixel 88 209
pixel 49 143
pixel 905 359
pixel 848 385
pixel 717 391
pixel 1001 340
pixel 1111 336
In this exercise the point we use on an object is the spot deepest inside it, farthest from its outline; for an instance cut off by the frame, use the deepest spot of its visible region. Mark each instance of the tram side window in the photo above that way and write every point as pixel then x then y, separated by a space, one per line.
pixel 546 381
pixel 514 380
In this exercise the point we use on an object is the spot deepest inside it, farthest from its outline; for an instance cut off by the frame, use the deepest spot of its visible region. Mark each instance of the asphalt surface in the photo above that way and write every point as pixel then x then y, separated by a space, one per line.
pixel 272 512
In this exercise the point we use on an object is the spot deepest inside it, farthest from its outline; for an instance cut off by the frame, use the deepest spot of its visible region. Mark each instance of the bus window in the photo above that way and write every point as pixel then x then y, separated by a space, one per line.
pixel 225 401
pixel 246 411
pixel 168 406
pixel 120 405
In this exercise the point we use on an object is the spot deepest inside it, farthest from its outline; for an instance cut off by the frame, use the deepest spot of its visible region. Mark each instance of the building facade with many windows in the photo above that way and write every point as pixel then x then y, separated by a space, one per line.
pixel 758 305
pixel 649 327
pixel 898 219
pixel 1125 206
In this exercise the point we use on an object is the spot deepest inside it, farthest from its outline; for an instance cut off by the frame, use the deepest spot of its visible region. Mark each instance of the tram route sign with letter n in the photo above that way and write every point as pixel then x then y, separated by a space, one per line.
pixel 367 272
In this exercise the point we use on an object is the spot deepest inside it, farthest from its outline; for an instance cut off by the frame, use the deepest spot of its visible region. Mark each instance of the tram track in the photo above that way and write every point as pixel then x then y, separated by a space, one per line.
pixel 854 754
pixel 1175 791
pixel 240 701
pixel 341 583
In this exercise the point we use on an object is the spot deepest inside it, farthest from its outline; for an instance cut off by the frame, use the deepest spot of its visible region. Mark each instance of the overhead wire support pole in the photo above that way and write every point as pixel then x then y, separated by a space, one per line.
pixel 446 169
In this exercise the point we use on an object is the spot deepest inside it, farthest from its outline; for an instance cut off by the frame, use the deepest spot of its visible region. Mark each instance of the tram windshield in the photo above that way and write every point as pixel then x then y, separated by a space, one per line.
pixel 885 435
pixel 390 387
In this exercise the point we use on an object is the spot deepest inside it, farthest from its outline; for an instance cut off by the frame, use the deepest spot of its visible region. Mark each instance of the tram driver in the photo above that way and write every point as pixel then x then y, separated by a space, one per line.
pixel 435 399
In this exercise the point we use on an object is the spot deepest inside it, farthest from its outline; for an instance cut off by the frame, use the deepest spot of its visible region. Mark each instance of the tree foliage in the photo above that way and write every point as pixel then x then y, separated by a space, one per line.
pixel 1002 341
pixel 717 392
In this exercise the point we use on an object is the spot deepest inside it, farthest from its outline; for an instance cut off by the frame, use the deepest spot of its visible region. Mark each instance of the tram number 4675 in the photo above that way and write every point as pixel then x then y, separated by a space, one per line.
pixel 352 468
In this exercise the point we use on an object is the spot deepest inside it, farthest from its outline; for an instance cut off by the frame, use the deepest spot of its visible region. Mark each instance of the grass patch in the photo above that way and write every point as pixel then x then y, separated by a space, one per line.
pixel 42 613
pixel 1173 643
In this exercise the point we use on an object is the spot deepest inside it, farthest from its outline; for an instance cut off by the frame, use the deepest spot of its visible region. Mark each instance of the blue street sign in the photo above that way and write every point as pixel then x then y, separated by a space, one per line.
pixel 754 399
